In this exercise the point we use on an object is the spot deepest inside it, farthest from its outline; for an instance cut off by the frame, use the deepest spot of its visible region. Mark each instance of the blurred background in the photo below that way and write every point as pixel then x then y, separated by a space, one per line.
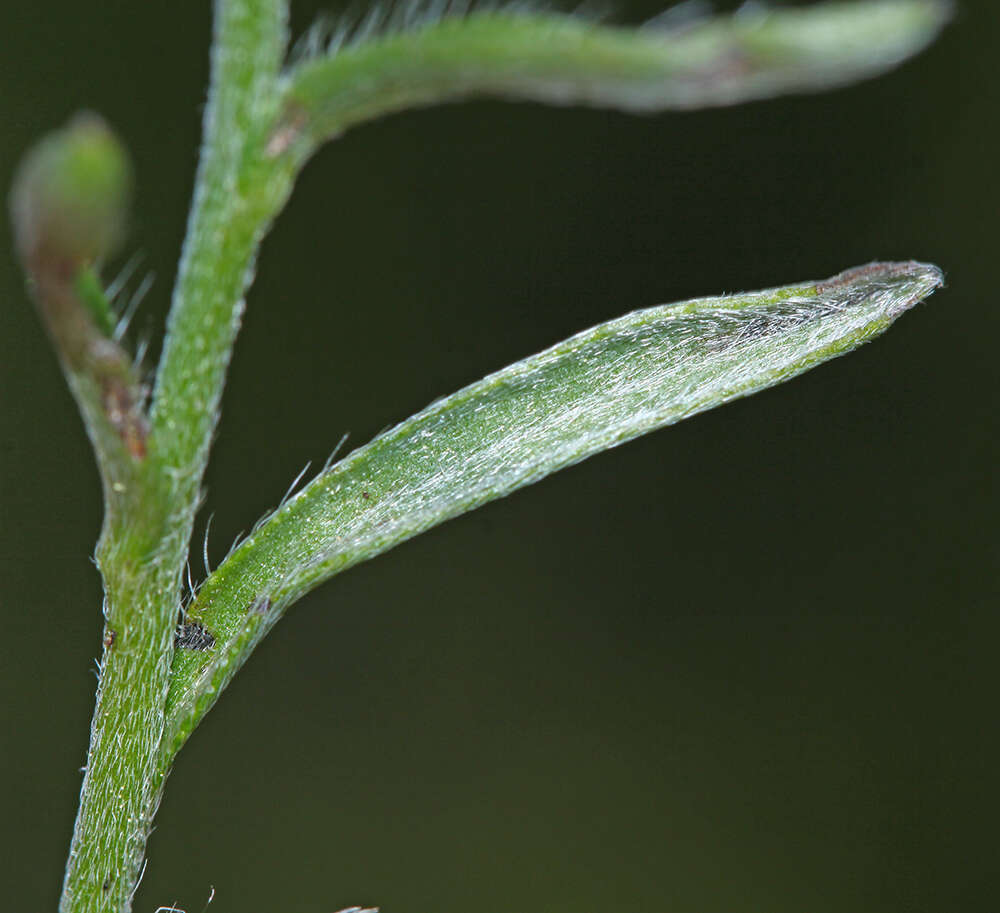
pixel 743 664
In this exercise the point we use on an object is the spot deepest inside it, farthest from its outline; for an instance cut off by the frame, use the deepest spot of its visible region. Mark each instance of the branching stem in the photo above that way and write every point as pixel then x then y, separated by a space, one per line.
pixel 143 548
pixel 260 125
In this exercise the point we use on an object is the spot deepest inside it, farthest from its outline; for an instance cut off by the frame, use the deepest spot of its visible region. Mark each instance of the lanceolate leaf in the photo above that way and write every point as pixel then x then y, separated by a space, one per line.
pixel 596 390
pixel 755 53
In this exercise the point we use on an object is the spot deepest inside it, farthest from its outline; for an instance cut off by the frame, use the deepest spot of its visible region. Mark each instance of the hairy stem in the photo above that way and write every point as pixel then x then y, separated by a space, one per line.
pixel 260 125
pixel 120 791
pixel 143 549
pixel 236 194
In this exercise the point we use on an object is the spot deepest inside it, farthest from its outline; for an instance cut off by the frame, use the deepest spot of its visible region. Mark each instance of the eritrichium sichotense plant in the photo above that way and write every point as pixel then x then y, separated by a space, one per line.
pixel 166 659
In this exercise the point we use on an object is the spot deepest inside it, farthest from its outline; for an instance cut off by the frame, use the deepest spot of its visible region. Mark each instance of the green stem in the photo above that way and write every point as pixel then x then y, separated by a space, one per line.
pixel 120 790
pixel 237 192
pixel 143 547
pixel 255 139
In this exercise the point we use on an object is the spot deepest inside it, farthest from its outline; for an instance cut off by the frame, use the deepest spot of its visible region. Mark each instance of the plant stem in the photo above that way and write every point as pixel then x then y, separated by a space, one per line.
pixel 235 198
pixel 255 139
pixel 143 549
pixel 120 790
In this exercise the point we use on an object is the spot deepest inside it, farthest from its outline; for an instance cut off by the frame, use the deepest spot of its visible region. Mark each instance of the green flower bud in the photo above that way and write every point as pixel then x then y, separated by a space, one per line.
pixel 71 194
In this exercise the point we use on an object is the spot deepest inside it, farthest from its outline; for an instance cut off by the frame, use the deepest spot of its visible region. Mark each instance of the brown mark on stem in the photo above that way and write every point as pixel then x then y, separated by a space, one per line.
pixel 84 350
pixel 125 415
pixel 289 128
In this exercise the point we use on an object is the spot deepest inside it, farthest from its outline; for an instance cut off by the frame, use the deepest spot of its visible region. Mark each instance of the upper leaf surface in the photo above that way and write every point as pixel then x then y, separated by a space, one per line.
pixel 593 391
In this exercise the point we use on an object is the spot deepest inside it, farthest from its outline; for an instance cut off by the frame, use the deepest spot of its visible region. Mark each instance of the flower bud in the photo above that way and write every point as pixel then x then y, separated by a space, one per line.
pixel 70 196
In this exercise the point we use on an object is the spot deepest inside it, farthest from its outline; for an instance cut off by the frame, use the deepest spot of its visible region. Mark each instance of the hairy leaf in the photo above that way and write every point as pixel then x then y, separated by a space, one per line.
pixel 756 53
pixel 596 390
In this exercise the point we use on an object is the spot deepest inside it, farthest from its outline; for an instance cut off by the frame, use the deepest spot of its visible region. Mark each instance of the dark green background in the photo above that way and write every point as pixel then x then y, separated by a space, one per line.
pixel 744 664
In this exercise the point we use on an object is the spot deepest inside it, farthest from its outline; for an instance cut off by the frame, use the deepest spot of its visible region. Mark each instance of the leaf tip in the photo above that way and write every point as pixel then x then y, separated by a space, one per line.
pixel 898 285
